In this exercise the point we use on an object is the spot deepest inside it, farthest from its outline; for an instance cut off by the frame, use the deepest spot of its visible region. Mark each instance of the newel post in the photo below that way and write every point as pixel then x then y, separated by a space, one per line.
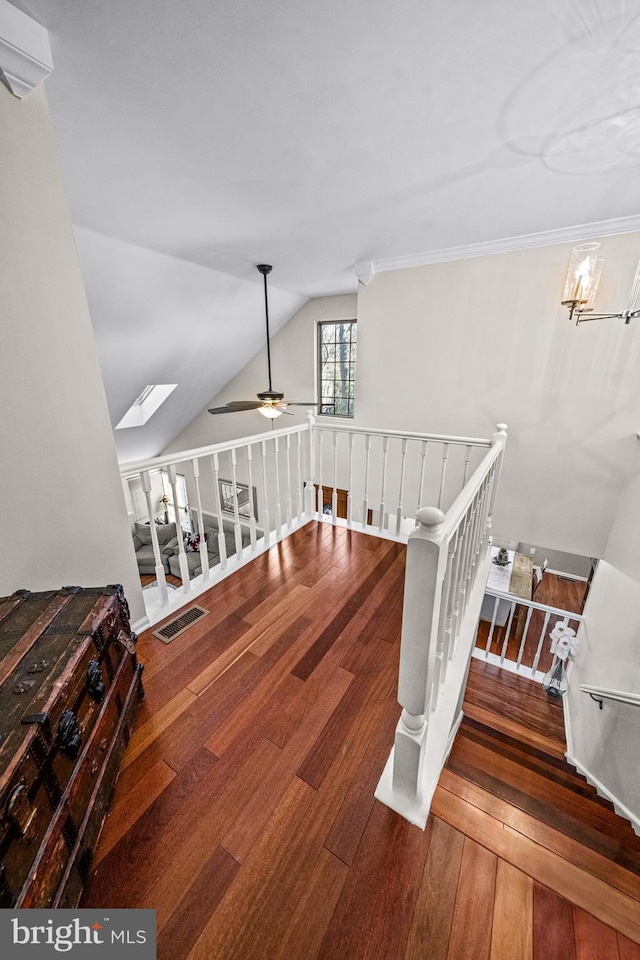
pixel 309 489
pixel 424 576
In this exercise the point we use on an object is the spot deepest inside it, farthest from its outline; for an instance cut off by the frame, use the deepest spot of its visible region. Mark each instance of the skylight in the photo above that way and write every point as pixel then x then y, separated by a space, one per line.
pixel 145 406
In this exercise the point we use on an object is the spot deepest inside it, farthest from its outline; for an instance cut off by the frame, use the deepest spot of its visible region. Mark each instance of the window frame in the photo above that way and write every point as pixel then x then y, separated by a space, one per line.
pixel 319 379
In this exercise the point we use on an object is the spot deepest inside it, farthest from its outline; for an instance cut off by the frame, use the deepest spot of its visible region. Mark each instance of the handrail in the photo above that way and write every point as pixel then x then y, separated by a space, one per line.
pixel 156 463
pixel 618 695
pixel 461 504
pixel 514 598
pixel 402 434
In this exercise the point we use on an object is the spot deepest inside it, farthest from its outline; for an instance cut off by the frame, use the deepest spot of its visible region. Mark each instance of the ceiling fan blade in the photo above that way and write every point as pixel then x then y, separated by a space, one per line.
pixel 302 403
pixel 237 405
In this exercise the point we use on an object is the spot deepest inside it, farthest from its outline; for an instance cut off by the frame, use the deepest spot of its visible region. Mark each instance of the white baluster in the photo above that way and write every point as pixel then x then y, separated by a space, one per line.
pixel 467 459
pixel 350 481
pixel 445 455
pixel 204 554
pixel 448 602
pixel 536 659
pixel 440 664
pixel 494 617
pixel 289 504
pixel 383 482
pixel 237 528
pixel 276 451
pixel 222 543
pixel 401 494
pixel 365 501
pixel 423 466
pixel 334 495
pixel 456 586
pixel 499 435
pixel 265 494
pixel 309 492
pixel 505 643
pixel 182 557
pixel 145 480
pixel 299 483
pixel 524 638
pixel 320 487
pixel 252 511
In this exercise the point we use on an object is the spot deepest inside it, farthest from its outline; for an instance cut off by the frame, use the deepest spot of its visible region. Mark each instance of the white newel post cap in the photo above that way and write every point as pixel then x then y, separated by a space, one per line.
pixel 430 517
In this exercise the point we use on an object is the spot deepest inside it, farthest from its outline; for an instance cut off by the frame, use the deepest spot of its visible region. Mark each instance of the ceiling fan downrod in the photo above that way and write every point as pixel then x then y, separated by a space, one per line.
pixel 265 269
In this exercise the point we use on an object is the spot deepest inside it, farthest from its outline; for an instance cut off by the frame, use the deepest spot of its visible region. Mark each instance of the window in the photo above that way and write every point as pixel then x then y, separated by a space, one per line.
pixel 336 368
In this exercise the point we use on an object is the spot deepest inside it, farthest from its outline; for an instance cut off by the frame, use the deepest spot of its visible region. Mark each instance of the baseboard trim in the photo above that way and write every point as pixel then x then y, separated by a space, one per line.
pixel 602 791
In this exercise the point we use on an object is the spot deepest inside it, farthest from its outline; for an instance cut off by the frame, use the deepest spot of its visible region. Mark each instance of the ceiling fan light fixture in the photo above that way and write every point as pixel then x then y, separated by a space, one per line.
pixel 270 412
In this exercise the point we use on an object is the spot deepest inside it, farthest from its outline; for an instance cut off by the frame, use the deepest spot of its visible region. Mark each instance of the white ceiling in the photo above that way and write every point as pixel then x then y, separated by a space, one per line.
pixel 216 135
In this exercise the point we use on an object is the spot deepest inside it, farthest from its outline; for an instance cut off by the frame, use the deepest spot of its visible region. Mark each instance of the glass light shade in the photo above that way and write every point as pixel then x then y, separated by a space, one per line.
pixel 583 274
pixel 270 412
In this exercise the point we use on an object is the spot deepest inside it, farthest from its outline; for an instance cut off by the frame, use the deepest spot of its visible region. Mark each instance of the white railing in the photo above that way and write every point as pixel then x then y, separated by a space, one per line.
pixel 446 570
pixel 520 615
pixel 388 475
pixel 247 494
pixel 243 496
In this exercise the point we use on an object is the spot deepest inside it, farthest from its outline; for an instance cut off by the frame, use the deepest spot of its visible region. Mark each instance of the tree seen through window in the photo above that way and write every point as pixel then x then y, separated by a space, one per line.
pixel 337 368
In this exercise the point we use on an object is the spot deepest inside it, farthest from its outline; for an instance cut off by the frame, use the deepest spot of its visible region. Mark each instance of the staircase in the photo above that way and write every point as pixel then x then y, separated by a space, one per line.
pixel 511 745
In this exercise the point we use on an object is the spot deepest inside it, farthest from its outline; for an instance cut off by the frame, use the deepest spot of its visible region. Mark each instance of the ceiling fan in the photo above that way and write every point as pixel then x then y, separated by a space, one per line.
pixel 270 403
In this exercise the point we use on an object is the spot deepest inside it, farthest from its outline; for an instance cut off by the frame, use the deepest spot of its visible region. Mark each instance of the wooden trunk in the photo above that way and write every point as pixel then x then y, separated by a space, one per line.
pixel 69 687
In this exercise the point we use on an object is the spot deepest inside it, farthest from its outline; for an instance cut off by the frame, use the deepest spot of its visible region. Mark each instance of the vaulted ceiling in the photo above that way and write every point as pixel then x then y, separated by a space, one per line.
pixel 199 138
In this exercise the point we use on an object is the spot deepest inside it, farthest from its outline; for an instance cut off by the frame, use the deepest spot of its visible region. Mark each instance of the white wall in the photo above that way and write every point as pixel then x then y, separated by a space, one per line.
pixel 605 742
pixel 64 516
pixel 457 347
pixel 292 369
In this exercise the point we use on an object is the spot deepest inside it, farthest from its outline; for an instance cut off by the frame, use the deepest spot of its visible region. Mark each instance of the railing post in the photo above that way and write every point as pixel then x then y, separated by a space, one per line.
pixel 425 569
pixel 182 557
pixel 145 479
pixel 308 487
pixel 204 553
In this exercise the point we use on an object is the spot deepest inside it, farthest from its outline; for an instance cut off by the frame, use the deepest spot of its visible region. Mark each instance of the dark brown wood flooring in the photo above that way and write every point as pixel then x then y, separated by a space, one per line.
pixel 244 813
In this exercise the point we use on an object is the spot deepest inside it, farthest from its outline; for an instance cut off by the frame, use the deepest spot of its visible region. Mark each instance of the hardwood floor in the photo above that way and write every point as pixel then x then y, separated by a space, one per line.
pixel 244 813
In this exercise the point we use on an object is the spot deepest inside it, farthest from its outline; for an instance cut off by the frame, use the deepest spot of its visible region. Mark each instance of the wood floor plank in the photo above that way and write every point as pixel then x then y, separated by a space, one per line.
pixel 473 912
pixel 594 939
pixel 554 937
pixel 627 949
pixel 371 920
pixel 239 840
pixel 152 726
pixel 512 930
pixel 541 833
pixel 226 807
pixel 303 936
pixel 430 928
pixel 129 805
pixel 259 906
pixel 176 939
pixel 580 888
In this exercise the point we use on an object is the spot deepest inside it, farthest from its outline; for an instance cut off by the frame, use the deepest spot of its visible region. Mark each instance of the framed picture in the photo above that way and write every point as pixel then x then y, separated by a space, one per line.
pixel 244 504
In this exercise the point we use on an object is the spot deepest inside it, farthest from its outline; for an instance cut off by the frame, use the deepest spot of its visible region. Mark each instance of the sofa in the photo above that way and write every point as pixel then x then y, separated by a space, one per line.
pixel 167 541
pixel 213 551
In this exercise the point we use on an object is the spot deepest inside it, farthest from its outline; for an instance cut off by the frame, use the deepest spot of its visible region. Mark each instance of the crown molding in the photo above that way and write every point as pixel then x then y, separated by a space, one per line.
pixel 25 52
pixel 583 231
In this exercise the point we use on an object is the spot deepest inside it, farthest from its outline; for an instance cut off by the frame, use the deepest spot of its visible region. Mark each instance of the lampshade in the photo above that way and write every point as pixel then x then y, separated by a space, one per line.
pixel 583 274
pixel 270 412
